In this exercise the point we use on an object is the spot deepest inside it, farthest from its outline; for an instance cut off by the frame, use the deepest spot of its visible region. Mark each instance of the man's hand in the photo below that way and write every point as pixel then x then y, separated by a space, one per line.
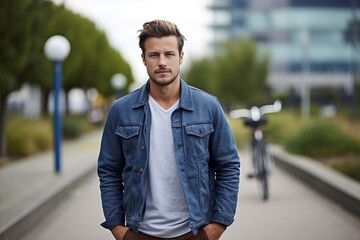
pixel 214 231
pixel 119 232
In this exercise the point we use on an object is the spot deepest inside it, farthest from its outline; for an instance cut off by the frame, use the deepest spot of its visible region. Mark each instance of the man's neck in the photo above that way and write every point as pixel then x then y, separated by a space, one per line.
pixel 165 96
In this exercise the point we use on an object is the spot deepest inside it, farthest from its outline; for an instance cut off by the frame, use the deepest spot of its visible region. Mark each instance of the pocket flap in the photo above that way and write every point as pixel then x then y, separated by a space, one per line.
pixel 200 130
pixel 127 131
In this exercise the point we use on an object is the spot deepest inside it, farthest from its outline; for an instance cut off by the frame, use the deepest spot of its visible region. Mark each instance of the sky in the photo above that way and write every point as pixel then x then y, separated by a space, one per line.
pixel 120 20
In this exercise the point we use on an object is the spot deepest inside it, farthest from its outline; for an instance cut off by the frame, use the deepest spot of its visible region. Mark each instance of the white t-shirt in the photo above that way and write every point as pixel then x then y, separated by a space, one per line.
pixel 166 214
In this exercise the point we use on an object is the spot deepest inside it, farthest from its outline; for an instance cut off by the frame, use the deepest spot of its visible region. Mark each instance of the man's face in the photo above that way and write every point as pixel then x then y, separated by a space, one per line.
pixel 162 59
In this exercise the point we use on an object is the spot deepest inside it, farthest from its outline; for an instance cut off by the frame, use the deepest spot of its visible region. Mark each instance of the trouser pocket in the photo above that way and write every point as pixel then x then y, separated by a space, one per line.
pixel 131 235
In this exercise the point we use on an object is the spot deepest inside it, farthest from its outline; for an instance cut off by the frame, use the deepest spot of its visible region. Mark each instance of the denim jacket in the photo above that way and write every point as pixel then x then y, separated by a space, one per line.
pixel 205 151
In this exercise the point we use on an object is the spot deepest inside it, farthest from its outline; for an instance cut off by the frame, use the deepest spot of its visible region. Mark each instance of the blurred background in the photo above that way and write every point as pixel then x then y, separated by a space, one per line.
pixel 246 52
pixel 305 53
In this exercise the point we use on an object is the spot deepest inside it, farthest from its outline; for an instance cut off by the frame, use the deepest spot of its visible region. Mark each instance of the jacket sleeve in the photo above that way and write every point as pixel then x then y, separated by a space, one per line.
pixel 224 159
pixel 110 168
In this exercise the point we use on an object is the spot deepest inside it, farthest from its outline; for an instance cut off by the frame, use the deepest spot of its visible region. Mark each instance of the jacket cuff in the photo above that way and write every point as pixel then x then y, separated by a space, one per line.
pixel 111 223
pixel 224 220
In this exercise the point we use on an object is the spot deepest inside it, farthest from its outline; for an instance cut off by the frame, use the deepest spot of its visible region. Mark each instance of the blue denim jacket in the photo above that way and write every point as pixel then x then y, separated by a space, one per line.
pixel 205 150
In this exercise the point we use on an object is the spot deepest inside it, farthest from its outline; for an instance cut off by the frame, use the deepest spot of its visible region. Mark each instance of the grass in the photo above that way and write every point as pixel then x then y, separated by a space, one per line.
pixel 321 139
pixel 25 137
pixel 241 133
pixel 334 142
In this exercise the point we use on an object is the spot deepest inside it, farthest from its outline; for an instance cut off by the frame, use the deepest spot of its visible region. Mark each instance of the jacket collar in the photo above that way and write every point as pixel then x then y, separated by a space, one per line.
pixel 185 96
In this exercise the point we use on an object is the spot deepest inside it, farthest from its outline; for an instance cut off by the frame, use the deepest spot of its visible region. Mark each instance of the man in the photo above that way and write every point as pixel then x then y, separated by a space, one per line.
pixel 168 163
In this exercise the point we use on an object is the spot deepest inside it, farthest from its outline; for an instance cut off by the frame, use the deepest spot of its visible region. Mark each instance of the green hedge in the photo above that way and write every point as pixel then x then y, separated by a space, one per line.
pixel 350 167
pixel 281 126
pixel 334 142
pixel 25 136
pixel 321 139
pixel 241 133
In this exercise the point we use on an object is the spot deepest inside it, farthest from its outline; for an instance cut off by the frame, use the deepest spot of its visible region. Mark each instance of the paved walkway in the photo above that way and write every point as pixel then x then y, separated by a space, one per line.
pixel 31 186
pixel 293 212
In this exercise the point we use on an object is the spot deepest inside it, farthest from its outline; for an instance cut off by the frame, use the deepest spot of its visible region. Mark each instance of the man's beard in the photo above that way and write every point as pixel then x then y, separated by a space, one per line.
pixel 165 82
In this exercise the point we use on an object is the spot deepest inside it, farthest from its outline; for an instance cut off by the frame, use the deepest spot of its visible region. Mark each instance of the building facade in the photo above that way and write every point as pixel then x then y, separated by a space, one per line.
pixel 304 38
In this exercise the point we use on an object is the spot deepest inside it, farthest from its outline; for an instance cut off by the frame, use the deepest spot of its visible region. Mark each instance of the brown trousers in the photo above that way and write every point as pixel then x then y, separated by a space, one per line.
pixel 131 235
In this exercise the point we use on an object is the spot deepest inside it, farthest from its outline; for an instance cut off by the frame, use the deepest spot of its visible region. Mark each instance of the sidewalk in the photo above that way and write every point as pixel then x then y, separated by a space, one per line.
pixel 332 184
pixel 30 187
pixel 294 211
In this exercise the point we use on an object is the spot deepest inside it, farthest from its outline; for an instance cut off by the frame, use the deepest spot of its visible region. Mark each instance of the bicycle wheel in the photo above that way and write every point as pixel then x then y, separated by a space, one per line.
pixel 269 162
pixel 264 186
pixel 260 166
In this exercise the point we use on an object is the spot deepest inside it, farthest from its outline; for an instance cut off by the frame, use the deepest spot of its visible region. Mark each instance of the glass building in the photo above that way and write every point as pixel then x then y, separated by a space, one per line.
pixel 305 38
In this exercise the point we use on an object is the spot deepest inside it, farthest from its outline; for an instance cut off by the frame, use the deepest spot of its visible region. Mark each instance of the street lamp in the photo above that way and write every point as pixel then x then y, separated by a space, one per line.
pixel 118 81
pixel 305 92
pixel 56 49
pixel 354 33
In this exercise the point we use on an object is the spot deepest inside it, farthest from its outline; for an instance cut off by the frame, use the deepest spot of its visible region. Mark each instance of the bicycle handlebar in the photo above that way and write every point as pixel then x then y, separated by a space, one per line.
pixel 255 113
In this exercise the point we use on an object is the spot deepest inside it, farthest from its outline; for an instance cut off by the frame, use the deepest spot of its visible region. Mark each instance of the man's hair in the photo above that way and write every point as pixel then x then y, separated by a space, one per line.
pixel 158 29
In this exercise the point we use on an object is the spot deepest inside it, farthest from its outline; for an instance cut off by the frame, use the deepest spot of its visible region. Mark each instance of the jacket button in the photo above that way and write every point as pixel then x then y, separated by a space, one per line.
pixel 141 170
pixel 142 147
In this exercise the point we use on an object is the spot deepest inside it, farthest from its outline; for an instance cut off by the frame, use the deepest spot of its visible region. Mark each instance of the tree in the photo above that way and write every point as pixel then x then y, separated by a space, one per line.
pixel 237 74
pixel 352 36
pixel 201 74
pixel 18 38
pixel 25 25
pixel 92 61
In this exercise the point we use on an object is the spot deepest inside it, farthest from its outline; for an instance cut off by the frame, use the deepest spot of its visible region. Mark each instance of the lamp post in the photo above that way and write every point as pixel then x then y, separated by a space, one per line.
pixel 305 92
pixel 56 49
pixel 354 29
pixel 118 82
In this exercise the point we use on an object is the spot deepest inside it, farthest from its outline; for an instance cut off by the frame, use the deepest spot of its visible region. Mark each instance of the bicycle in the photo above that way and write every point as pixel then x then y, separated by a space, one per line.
pixel 262 160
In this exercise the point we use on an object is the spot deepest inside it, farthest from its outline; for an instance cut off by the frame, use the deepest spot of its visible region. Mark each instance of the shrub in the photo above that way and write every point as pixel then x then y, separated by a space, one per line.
pixel 241 133
pixel 25 137
pixel 350 167
pixel 76 125
pixel 281 125
pixel 72 128
pixel 322 139
pixel 277 130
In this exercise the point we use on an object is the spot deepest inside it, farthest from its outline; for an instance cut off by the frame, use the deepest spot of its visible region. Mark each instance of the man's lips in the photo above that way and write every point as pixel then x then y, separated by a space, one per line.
pixel 162 71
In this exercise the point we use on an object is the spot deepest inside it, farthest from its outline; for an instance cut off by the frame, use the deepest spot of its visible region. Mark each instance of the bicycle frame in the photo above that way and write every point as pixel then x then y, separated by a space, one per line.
pixel 255 118
pixel 261 161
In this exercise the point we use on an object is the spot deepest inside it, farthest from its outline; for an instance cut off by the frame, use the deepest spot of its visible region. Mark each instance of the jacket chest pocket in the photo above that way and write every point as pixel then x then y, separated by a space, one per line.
pixel 198 136
pixel 129 136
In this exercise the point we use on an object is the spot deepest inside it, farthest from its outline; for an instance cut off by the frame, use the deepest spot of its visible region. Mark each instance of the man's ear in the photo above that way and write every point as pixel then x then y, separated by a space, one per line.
pixel 143 58
pixel 181 57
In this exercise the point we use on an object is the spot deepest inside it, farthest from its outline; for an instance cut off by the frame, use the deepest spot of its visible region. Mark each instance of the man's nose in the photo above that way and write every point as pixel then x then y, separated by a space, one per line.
pixel 162 61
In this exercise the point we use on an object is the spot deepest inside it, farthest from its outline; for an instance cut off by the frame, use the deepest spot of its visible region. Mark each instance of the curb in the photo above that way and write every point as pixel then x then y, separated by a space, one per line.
pixel 333 185
pixel 34 214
